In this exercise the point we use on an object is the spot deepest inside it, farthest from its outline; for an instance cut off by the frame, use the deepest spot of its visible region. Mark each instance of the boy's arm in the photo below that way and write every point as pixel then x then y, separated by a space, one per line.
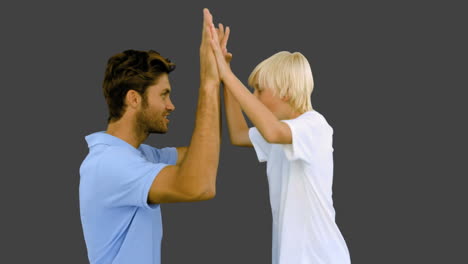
pixel 272 130
pixel 238 129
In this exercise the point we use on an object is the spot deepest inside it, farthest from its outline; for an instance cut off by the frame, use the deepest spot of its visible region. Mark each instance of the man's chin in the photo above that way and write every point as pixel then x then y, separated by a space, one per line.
pixel 158 131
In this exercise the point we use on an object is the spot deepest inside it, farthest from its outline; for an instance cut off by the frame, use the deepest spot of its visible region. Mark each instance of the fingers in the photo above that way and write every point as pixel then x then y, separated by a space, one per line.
pixel 207 20
pixel 218 37
pixel 220 31
pixel 207 17
pixel 225 38
pixel 214 35
pixel 215 43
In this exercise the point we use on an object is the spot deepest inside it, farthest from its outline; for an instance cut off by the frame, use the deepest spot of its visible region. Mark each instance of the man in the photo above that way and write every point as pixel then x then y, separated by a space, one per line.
pixel 122 181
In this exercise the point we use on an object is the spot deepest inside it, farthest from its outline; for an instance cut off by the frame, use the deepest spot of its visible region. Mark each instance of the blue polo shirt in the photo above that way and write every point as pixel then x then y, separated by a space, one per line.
pixel 119 225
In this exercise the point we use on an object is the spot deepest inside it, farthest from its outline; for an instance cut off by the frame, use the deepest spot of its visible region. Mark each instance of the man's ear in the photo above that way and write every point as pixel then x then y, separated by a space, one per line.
pixel 133 99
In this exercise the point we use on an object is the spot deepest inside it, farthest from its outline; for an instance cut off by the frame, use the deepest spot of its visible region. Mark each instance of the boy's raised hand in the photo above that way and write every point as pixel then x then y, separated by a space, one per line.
pixel 223 35
pixel 219 48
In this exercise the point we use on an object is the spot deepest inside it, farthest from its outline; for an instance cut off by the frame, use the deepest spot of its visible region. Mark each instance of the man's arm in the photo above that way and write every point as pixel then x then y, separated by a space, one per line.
pixel 181 154
pixel 273 130
pixel 194 179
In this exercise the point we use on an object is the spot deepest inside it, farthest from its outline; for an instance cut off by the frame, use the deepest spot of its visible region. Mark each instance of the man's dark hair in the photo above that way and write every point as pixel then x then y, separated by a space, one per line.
pixel 131 70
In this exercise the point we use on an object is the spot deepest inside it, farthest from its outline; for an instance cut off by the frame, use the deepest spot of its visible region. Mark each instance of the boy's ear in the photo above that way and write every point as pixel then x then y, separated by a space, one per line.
pixel 285 99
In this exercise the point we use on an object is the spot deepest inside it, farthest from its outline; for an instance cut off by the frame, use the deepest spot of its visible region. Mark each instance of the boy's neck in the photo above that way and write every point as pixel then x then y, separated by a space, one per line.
pixel 288 114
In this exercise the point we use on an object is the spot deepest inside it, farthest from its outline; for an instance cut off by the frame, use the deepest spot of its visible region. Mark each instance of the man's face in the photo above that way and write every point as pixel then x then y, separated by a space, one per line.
pixel 152 117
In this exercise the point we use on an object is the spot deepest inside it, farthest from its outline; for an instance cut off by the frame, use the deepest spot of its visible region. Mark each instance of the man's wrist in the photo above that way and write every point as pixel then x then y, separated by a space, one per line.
pixel 210 83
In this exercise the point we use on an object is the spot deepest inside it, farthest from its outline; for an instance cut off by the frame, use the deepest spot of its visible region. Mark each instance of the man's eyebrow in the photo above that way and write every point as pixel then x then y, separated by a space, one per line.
pixel 167 90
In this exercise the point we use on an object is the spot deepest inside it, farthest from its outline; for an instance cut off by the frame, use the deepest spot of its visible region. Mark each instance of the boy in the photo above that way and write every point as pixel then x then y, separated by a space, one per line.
pixel 296 143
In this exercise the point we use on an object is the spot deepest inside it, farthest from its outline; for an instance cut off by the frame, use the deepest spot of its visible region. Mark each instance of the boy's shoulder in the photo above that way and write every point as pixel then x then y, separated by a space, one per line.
pixel 310 120
pixel 311 116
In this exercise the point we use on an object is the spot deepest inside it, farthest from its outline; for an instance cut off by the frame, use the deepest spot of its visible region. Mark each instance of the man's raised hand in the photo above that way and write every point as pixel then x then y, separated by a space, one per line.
pixel 208 69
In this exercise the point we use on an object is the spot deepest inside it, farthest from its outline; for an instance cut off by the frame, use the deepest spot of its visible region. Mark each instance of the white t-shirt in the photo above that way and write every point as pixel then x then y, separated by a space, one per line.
pixel 300 177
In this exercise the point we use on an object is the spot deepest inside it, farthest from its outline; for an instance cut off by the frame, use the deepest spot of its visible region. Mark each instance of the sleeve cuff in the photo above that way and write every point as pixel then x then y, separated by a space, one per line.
pixel 255 137
pixel 289 150
pixel 149 182
pixel 174 156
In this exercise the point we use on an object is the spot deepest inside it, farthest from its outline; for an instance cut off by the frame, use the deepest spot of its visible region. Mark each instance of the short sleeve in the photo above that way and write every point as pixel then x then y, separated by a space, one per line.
pixel 311 137
pixel 168 155
pixel 125 178
pixel 261 146
pixel 163 155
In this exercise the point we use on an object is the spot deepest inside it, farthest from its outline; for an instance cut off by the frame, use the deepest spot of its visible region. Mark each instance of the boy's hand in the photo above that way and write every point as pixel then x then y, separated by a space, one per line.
pixel 208 69
pixel 222 58
pixel 223 35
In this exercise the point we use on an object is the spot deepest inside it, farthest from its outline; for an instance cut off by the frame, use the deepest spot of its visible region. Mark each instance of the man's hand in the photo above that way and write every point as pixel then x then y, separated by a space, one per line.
pixel 208 69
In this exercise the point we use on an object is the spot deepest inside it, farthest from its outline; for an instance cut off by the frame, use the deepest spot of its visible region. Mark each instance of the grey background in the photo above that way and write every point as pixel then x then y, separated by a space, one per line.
pixel 388 78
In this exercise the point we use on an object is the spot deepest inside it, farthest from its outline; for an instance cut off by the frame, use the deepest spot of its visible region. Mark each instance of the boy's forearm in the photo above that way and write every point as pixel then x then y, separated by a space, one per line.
pixel 262 118
pixel 235 119
pixel 201 160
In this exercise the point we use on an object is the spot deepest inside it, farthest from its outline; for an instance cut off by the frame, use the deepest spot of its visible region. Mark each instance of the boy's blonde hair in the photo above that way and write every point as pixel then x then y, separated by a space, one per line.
pixel 287 75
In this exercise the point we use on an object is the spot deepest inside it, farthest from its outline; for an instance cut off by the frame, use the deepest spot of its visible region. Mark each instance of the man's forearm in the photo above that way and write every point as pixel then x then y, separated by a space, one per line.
pixel 201 161
pixel 198 170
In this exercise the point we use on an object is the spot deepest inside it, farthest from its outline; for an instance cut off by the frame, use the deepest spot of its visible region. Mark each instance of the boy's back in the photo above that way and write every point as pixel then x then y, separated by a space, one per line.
pixel 300 177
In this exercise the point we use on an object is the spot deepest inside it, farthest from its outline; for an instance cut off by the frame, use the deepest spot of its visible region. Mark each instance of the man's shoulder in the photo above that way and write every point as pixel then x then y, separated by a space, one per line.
pixel 107 155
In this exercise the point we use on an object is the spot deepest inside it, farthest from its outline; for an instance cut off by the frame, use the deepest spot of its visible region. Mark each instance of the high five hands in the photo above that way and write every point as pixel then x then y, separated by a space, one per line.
pixel 208 69
pixel 213 50
pixel 223 36
pixel 218 39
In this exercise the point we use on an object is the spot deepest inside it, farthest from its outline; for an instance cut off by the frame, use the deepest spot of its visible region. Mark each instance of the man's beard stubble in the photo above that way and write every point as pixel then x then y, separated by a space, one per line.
pixel 150 124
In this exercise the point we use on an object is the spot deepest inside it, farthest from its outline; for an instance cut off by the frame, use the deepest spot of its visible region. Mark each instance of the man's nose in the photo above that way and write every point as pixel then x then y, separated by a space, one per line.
pixel 170 106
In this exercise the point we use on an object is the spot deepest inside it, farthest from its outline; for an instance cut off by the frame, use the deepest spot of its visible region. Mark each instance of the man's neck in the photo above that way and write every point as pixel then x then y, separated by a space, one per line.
pixel 127 131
